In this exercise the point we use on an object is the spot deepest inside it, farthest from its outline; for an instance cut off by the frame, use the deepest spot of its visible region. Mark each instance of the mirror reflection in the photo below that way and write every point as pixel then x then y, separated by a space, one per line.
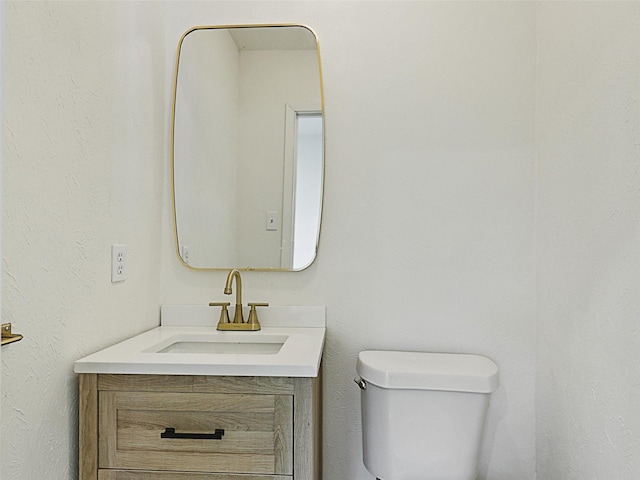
pixel 248 156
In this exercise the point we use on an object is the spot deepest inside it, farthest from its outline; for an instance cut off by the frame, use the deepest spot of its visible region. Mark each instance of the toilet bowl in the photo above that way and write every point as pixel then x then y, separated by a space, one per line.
pixel 423 414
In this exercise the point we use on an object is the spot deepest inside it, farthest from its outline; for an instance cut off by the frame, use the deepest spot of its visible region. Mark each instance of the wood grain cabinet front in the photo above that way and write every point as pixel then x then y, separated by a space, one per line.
pixel 152 427
pixel 141 475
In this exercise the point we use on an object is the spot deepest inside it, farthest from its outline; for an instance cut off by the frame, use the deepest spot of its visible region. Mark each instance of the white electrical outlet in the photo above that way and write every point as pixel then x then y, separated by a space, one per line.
pixel 118 263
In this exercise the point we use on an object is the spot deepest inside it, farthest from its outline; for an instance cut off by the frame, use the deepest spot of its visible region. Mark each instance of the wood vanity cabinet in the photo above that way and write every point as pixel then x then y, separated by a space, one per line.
pixel 272 428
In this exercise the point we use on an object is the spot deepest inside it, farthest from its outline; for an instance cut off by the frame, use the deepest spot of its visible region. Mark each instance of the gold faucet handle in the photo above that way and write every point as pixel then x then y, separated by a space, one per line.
pixel 253 314
pixel 224 313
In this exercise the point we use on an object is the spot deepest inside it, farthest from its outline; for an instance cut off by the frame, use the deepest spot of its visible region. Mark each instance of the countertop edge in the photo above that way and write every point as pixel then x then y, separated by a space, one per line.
pixel 118 359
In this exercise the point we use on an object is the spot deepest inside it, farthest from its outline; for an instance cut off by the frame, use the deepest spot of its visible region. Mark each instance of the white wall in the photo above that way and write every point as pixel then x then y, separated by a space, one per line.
pixel 588 375
pixel 428 229
pixel 84 127
pixel 1 109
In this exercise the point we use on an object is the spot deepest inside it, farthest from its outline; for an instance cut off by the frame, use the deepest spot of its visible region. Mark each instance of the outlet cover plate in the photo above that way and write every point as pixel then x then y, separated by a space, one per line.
pixel 118 263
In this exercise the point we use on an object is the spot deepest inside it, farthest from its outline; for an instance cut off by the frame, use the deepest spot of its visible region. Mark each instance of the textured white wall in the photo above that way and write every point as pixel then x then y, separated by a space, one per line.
pixel 84 127
pixel 588 375
pixel 1 133
pixel 428 227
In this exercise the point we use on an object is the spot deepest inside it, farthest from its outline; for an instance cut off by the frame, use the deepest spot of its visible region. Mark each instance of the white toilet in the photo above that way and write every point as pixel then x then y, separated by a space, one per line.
pixel 423 414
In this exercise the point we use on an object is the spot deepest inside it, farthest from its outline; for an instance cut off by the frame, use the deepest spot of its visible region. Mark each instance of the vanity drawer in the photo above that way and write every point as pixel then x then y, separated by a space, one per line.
pixel 257 439
pixel 139 475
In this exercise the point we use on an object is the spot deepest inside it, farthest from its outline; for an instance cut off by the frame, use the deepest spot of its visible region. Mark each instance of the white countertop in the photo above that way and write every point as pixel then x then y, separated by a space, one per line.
pixel 299 356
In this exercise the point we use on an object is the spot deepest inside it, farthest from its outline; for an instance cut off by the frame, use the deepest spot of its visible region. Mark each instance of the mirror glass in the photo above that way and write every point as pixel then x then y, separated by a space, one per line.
pixel 248 156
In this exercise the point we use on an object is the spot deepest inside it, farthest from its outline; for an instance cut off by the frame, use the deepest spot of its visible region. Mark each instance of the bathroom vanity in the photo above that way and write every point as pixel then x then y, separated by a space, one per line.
pixel 180 403
pixel 272 427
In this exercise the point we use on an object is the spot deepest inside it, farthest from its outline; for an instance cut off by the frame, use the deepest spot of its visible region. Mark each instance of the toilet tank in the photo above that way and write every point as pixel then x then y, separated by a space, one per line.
pixel 423 414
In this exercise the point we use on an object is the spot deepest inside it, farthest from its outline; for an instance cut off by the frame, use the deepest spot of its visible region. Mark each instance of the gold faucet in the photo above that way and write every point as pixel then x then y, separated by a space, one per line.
pixel 238 319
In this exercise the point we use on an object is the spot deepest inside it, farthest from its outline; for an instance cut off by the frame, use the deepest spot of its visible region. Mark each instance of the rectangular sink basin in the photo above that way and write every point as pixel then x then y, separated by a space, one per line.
pixel 216 344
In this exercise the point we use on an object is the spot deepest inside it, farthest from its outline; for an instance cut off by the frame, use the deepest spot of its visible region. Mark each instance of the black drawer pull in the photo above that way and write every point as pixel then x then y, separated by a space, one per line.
pixel 171 433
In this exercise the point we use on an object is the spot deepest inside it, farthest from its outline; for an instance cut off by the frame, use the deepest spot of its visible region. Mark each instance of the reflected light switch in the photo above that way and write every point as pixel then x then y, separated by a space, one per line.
pixel 273 221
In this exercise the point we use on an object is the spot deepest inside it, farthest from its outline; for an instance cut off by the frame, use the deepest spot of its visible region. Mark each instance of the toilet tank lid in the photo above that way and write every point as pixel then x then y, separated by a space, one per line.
pixel 428 371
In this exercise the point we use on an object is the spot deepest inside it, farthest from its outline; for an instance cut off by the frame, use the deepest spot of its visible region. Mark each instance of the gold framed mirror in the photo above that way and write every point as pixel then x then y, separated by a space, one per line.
pixel 247 147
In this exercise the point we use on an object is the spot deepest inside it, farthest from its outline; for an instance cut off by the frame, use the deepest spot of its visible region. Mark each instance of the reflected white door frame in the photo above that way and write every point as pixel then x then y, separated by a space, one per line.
pixel 290 255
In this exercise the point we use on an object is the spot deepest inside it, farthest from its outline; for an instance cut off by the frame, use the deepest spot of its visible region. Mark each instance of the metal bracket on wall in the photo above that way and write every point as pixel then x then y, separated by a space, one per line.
pixel 7 336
